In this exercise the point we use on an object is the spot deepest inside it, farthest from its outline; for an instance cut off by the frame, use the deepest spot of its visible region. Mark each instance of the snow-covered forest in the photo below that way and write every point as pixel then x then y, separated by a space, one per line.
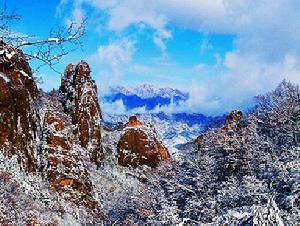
pixel 245 172
pixel 74 152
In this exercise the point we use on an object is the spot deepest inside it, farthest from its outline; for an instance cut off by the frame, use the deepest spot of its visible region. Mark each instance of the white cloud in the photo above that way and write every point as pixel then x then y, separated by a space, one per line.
pixel 117 53
pixel 159 39
pixel 110 60
pixel 205 46
pixel 61 7
pixel 267 37
pixel 125 13
pixel 113 108
pixel 245 76
pixel 77 13
pixel 77 17
pixel 269 27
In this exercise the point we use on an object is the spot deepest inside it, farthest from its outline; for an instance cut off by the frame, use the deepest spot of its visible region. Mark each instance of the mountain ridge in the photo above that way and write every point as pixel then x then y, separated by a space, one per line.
pixel 146 95
pixel 145 91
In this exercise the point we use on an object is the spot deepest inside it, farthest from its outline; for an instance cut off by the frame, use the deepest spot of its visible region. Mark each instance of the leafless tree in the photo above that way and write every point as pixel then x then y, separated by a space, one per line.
pixel 48 51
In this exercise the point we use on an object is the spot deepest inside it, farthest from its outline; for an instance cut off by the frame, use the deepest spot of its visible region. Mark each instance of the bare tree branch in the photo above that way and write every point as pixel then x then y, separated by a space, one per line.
pixel 61 40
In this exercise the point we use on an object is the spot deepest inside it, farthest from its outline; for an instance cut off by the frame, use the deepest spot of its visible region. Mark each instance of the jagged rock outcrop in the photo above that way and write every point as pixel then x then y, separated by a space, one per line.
pixel 43 133
pixel 64 167
pixel 67 89
pixel 72 136
pixel 139 146
pixel 234 117
pixel 80 100
pixel 231 152
pixel 18 118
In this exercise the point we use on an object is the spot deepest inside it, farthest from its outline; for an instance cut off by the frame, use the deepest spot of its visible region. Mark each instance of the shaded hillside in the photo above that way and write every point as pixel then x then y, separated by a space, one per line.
pixel 235 173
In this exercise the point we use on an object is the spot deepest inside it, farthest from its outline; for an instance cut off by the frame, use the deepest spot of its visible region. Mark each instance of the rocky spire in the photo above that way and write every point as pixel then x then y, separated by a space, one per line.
pixel 230 151
pixel 18 118
pixel 80 100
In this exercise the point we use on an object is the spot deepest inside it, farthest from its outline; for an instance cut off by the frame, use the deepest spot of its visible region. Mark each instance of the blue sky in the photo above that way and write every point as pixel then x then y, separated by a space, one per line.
pixel 223 52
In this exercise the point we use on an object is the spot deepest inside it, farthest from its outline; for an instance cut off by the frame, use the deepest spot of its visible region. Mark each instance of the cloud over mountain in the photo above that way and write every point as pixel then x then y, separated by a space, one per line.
pixel 265 36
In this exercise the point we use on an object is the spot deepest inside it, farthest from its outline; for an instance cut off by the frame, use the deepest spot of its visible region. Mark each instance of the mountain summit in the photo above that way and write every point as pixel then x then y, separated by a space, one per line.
pixel 146 95
pixel 147 91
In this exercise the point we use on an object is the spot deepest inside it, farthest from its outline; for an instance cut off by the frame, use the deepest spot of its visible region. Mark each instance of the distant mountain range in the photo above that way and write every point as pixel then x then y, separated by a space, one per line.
pixel 175 129
pixel 146 96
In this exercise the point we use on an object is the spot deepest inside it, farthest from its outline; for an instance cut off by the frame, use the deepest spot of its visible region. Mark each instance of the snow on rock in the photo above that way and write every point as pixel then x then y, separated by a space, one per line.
pixel 37 132
pixel 48 174
pixel 64 166
pixel 19 123
pixel 171 131
pixel 139 146
pixel 269 215
pixel 80 100
pixel 27 200
pixel 24 73
pixel 4 77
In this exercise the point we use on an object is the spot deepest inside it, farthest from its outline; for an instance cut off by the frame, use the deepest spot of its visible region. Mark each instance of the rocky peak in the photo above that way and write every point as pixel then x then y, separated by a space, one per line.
pixel 67 89
pixel 35 128
pixel 133 122
pixel 234 117
pixel 80 100
pixel 230 150
pixel 18 119
pixel 82 72
pixel 139 146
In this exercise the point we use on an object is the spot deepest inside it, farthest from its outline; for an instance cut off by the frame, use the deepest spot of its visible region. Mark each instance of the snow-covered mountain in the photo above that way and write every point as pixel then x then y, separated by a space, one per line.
pixel 63 163
pixel 147 96
pixel 147 91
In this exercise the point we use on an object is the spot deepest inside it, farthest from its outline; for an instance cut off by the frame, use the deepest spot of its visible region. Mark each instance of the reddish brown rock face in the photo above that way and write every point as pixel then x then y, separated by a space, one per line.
pixel 133 122
pixel 80 99
pixel 53 141
pixel 18 118
pixel 73 132
pixel 64 168
pixel 138 146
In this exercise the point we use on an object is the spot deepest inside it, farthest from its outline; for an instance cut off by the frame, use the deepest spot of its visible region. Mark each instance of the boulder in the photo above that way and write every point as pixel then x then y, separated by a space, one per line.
pixel 139 145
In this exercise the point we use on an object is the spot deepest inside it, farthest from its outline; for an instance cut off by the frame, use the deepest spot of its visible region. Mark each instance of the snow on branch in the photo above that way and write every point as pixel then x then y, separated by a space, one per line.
pixel 49 51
